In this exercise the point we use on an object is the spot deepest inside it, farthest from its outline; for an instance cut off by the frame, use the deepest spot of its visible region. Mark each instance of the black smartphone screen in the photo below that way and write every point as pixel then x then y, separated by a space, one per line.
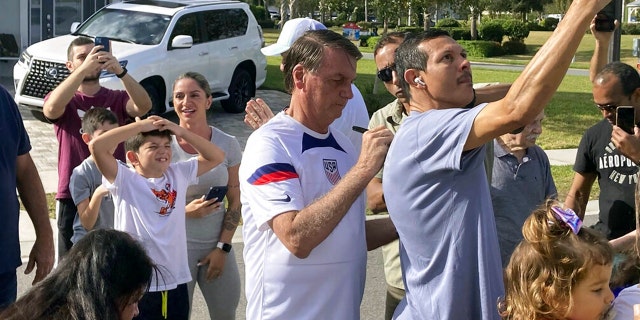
pixel 625 118
pixel 216 192
pixel 605 19
pixel 104 42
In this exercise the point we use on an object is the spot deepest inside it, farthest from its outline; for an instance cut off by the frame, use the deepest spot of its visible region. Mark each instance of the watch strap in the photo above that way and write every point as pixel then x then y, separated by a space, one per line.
pixel 123 73
pixel 224 247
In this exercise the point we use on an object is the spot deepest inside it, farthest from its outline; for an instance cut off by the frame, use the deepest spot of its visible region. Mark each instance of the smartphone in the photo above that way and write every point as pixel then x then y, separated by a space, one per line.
pixel 216 192
pixel 625 118
pixel 605 19
pixel 104 42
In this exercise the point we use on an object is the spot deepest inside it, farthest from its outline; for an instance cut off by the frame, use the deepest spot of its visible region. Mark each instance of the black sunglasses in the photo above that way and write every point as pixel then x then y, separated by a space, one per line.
pixel 386 74
pixel 607 107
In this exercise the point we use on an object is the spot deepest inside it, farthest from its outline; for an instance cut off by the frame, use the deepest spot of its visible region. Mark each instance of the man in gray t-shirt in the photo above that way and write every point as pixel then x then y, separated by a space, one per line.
pixel 435 184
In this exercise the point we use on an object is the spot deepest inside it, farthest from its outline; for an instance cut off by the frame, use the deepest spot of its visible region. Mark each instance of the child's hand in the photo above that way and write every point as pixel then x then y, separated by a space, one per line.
pixel 147 124
pixel 164 124
pixel 101 191
pixel 200 207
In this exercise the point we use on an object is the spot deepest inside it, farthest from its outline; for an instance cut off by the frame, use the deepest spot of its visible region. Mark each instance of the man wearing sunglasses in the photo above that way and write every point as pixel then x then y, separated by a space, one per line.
pixel 603 153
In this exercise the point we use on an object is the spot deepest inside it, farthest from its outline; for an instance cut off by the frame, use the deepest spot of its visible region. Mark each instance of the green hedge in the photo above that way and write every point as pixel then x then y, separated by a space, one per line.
pixel 515 30
pixel 514 47
pixel 482 48
pixel 448 23
pixel 550 23
pixel 630 28
pixel 267 24
pixel 259 12
pixel 491 30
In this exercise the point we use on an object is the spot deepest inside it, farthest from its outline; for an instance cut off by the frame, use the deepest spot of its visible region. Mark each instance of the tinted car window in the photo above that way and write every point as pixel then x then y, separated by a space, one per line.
pixel 132 26
pixel 226 23
pixel 187 25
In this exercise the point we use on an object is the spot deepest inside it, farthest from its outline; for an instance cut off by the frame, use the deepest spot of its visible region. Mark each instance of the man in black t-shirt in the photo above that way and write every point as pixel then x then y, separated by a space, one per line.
pixel 617 84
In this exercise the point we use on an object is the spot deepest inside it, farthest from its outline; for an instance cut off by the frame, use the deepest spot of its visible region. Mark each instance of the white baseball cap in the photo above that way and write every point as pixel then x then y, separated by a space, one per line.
pixel 291 31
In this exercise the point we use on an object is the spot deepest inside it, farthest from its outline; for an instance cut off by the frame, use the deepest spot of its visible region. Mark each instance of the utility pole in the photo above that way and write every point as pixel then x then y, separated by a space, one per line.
pixel 614 48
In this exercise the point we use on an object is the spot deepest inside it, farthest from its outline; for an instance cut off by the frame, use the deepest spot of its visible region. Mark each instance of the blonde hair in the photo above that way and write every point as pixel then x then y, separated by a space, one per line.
pixel 547 265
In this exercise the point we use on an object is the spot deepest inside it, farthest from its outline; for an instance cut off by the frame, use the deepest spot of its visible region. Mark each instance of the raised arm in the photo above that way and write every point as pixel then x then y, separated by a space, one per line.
pixel 533 89
pixel 102 146
pixel 601 51
pixel 301 231
pixel 209 155
pixel 139 102
pixel 57 101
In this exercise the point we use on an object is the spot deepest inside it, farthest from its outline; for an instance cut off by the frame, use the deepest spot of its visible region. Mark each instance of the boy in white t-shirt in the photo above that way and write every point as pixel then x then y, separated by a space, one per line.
pixel 150 200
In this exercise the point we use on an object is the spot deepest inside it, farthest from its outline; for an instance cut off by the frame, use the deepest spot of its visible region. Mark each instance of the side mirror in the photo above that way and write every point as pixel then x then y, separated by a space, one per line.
pixel 182 42
pixel 74 27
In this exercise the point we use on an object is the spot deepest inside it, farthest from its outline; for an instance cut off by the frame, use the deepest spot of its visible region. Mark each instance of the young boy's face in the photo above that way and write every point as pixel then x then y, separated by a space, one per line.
pixel 153 157
pixel 102 128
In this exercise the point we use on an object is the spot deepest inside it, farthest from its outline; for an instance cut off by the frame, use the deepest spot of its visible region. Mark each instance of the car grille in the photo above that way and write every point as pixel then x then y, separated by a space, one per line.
pixel 43 77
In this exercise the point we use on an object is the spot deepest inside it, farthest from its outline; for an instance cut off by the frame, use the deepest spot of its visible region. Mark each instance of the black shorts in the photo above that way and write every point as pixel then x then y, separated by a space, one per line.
pixel 177 303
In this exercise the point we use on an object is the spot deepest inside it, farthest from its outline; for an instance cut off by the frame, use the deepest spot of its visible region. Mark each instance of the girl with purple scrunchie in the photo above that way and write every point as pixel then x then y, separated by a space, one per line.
pixel 559 271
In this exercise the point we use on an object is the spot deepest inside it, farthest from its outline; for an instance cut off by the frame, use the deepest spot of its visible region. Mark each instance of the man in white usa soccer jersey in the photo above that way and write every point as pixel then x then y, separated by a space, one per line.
pixel 301 188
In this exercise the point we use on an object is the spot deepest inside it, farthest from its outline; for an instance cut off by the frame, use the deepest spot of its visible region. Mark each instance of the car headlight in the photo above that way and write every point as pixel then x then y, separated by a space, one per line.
pixel 106 74
pixel 25 58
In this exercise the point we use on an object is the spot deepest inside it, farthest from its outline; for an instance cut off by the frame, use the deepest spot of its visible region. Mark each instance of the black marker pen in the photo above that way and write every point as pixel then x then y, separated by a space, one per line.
pixel 359 129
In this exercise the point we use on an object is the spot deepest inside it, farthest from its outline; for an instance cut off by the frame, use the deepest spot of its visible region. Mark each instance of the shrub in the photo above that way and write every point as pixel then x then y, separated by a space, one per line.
pixel 364 25
pixel 267 24
pixel 550 23
pixel 329 23
pixel 491 31
pixel 534 26
pixel 372 41
pixel 410 29
pixel 459 33
pixel 514 47
pixel 630 28
pixel 259 12
pixel 447 23
pixel 515 30
pixel 482 48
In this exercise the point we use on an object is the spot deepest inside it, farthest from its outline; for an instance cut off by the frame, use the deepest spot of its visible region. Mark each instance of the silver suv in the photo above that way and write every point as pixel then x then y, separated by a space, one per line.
pixel 157 41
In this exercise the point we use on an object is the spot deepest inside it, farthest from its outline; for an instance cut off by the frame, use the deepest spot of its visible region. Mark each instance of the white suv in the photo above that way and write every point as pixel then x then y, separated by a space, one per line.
pixel 157 41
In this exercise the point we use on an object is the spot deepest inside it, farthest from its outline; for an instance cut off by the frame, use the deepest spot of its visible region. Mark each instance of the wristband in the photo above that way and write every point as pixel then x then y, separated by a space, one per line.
pixel 123 73
pixel 224 247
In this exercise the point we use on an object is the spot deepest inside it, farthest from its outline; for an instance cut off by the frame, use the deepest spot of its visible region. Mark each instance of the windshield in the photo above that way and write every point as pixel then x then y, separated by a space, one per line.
pixel 129 26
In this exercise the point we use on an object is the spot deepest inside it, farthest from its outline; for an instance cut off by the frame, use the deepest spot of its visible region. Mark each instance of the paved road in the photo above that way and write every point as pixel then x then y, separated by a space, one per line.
pixel 44 153
pixel 45 156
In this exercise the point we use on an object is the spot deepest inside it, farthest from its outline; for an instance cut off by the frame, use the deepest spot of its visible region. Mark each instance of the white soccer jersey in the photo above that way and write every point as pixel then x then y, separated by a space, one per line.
pixel 286 167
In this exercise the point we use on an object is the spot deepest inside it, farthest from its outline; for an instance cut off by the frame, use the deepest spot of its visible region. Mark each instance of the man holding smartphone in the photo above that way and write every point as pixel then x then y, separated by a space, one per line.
pixel 599 156
pixel 65 106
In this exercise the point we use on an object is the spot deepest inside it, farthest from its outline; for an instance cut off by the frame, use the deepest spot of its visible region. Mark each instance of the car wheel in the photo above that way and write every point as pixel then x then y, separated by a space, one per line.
pixel 157 105
pixel 39 116
pixel 241 89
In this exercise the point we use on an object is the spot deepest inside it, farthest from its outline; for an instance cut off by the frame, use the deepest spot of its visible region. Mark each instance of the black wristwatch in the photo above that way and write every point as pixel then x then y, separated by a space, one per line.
pixel 123 73
pixel 224 246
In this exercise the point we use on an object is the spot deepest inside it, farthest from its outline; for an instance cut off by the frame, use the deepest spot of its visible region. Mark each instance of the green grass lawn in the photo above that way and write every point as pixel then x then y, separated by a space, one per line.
pixel 563 176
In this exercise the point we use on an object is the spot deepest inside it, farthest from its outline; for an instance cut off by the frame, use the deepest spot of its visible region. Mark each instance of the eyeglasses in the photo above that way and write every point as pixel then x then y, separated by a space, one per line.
pixel 607 107
pixel 386 74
